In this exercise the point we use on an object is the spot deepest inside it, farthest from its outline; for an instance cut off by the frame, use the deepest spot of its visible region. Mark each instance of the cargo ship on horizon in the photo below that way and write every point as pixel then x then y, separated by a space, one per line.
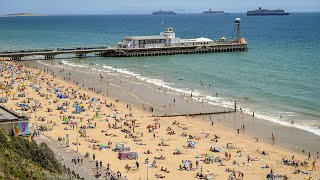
pixel 267 12
pixel 160 12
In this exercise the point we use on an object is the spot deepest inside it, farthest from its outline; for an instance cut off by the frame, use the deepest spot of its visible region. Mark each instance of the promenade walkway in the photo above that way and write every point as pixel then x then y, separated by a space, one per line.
pixel 64 156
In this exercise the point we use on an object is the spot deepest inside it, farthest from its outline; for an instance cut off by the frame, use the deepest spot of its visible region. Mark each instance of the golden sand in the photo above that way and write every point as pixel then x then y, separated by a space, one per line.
pixel 203 134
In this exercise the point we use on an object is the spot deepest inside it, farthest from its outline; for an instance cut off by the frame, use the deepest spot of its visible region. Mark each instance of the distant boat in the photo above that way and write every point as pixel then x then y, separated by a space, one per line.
pixel 267 12
pixel 160 12
pixel 215 12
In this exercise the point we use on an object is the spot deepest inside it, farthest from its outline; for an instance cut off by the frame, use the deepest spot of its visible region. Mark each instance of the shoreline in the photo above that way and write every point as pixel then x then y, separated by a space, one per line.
pixel 200 129
pixel 288 137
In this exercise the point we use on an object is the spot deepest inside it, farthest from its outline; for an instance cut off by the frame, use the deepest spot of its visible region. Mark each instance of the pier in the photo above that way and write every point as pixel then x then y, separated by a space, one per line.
pixel 137 46
pixel 108 51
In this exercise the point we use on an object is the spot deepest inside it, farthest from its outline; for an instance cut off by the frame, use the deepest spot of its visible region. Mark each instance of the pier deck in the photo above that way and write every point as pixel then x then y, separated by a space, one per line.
pixel 108 51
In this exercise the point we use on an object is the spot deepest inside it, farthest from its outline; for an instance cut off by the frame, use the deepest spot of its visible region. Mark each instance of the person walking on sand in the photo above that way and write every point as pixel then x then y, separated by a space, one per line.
pixel 309 156
pixel 97 165
pixel 101 77
pixel 314 165
pixel 257 140
pixel 273 139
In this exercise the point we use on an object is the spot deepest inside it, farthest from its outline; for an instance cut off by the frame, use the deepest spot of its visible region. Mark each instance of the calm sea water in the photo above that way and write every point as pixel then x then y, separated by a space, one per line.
pixel 279 75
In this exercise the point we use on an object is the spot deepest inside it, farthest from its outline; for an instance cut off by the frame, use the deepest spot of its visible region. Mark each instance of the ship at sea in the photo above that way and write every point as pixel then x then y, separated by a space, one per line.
pixel 211 12
pixel 160 12
pixel 267 12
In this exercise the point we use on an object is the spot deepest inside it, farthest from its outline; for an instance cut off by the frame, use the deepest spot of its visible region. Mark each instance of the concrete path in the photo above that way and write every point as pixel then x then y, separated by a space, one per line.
pixel 65 155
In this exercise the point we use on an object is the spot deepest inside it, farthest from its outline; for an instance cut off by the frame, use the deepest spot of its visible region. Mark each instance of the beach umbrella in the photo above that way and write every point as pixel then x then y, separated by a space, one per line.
pixel 217 149
pixel 187 163
pixel 78 109
pixel 96 116
pixel 192 143
pixel 149 126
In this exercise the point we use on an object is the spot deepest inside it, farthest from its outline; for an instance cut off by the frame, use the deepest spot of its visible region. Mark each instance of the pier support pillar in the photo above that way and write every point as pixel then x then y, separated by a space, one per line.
pixel 81 55
pixel 49 56
pixel 15 58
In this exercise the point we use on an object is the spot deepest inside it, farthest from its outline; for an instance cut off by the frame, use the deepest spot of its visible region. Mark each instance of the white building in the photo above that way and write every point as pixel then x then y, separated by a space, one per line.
pixel 165 39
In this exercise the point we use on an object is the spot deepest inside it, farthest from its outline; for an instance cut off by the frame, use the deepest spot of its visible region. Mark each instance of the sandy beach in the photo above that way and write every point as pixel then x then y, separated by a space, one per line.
pixel 174 146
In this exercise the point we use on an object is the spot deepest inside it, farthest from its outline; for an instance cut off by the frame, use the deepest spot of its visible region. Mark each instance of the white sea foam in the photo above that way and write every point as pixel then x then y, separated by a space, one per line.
pixel 283 122
pixel 74 64
pixel 154 81
pixel 48 64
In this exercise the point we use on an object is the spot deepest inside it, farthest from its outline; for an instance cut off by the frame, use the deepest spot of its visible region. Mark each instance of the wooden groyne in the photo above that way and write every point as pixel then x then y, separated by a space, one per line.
pixel 107 51
pixel 196 114
pixel 201 114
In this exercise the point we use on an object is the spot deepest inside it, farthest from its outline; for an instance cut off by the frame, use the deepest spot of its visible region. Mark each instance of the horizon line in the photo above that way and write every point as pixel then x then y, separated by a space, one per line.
pixel 76 14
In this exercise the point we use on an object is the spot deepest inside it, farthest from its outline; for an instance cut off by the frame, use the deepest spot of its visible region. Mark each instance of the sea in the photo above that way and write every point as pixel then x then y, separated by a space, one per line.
pixel 278 78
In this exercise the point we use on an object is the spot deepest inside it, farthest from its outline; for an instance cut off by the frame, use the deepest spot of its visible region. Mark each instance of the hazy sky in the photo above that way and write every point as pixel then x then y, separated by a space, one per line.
pixel 147 6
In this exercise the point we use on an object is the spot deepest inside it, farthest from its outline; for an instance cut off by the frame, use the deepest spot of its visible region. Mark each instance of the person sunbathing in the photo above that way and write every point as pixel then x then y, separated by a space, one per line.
pixel 254 159
pixel 159 176
pixel 221 164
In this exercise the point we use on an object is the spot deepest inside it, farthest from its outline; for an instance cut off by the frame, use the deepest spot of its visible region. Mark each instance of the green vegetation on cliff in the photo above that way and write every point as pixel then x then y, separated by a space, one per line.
pixel 24 159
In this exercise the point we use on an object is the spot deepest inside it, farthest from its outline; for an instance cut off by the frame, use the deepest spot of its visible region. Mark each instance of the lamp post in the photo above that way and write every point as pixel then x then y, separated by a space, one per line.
pixel 77 139
pixel 147 161
pixel 201 169
pixel 35 113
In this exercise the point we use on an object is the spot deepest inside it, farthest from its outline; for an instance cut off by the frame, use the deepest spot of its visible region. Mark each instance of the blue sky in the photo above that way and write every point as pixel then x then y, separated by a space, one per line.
pixel 147 6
